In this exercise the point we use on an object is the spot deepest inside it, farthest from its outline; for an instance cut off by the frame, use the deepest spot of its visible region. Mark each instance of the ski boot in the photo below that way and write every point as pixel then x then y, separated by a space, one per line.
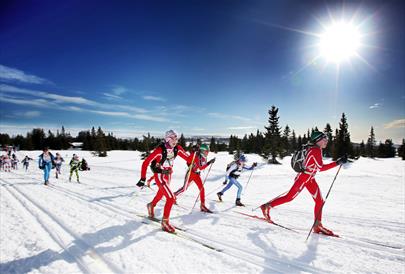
pixel 319 229
pixel 205 209
pixel 151 213
pixel 266 211
pixel 238 202
pixel 167 227
pixel 225 182
pixel 219 194
pixel 46 182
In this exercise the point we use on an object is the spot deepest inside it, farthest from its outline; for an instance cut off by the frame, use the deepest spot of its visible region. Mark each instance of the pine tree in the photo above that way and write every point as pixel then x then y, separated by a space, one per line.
pixel 272 147
pixel 213 145
pixel 182 141
pixel 370 150
pixel 285 142
pixel 293 141
pixel 328 150
pixel 101 146
pixel 343 144
pixel 401 150
pixel 362 149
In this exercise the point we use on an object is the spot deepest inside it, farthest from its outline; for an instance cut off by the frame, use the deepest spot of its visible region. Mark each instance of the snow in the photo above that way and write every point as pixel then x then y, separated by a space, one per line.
pixel 96 226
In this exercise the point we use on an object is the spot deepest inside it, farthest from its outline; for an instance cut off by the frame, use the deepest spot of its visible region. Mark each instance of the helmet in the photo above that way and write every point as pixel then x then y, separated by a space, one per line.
pixel 170 134
pixel 242 158
pixel 317 136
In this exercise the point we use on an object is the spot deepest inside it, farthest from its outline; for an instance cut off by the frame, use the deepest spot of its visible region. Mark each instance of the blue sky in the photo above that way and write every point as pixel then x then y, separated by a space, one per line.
pixel 199 67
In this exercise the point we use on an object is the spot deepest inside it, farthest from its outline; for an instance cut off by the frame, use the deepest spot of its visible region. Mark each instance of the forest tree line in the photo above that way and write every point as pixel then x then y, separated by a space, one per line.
pixel 275 141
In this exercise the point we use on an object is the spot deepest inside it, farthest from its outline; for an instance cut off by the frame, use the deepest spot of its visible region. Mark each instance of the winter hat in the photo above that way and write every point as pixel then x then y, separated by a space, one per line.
pixel 317 136
pixel 242 158
pixel 170 134
pixel 204 148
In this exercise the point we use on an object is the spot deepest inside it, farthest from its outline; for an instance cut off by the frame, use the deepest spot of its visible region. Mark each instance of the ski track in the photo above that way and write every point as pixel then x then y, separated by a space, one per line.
pixel 85 256
pixel 249 256
pixel 106 205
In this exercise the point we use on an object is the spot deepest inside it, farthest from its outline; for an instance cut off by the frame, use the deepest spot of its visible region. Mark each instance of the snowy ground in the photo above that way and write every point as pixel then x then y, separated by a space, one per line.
pixel 96 226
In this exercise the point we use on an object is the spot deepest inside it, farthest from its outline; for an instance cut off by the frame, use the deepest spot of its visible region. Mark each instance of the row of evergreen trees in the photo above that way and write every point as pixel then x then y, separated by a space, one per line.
pixel 274 142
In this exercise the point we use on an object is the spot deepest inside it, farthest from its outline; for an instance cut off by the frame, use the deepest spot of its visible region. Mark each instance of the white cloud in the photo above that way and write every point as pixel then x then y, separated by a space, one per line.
pixel 154 98
pixel 376 105
pixel 400 123
pixel 111 96
pixel 242 128
pixel 229 117
pixel 31 114
pixel 12 74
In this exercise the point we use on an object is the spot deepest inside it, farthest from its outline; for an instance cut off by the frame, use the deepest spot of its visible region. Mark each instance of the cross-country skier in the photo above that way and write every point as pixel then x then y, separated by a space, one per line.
pixel 58 164
pixel 46 163
pixel 233 172
pixel 313 163
pixel 161 162
pixel 26 162
pixel 74 164
pixel 199 159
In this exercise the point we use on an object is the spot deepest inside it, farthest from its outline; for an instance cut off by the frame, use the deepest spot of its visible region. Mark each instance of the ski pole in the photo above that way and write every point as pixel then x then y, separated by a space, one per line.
pixel 205 179
pixel 320 210
pixel 251 173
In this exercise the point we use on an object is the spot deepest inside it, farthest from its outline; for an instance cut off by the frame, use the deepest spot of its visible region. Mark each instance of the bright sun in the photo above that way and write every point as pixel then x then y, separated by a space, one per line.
pixel 339 42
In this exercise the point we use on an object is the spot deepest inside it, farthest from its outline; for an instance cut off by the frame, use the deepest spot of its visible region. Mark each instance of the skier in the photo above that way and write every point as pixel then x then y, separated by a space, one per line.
pixel 6 163
pixel 46 163
pixel 161 160
pixel 58 164
pixel 26 162
pixel 199 159
pixel 233 172
pixel 14 162
pixel 313 163
pixel 74 164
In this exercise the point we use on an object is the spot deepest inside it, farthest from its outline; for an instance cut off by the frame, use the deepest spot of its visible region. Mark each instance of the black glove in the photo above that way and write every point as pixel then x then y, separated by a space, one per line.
pixel 141 182
pixel 41 167
pixel 211 161
pixel 254 165
pixel 166 171
pixel 342 160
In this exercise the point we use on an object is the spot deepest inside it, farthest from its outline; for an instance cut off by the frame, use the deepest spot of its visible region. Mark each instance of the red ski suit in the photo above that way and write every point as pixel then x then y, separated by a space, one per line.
pixel 163 180
pixel 313 164
pixel 199 163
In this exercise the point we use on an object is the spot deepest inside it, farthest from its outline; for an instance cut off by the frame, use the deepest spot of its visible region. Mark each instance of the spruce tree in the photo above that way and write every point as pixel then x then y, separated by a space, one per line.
pixel 401 150
pixel 343 144
pixel 370 148
pixel 272 147
pixel 182 141
pixel 213 145
pixel 328 150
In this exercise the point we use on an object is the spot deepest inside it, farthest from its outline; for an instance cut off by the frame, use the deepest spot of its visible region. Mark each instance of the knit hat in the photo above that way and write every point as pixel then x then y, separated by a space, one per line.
pixel 317 136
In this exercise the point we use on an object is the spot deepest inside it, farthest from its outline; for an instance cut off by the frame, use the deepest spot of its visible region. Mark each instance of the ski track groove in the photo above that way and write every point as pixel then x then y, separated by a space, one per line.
pixel 195 234
pixel 85 249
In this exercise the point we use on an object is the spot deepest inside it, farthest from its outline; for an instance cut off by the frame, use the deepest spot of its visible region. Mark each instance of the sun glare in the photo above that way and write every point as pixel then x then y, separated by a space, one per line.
pixel 339 42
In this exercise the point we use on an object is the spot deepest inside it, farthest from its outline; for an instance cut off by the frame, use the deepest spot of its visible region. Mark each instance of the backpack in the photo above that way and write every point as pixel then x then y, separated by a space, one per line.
pixel 298 158
pixel 153 166
pixel 228 166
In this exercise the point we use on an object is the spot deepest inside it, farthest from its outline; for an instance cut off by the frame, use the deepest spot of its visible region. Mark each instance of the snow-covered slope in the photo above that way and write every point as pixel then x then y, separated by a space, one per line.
pixel 97 226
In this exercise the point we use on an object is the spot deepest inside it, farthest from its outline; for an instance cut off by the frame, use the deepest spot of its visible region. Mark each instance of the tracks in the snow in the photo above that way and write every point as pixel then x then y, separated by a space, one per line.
pixel 74 247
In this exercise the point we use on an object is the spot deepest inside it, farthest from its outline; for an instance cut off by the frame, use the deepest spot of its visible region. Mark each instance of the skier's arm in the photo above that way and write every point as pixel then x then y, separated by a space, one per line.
pixel 319 162
pixel 183 154
pixel 155 154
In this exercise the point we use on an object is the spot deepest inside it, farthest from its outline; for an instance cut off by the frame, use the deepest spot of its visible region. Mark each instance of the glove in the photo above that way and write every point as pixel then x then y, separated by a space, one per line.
pixel 40 167
pixel 166 171
pixel 141 182
pixel 254 165
pixel 342 160
pixel 195 148
pixel 211 161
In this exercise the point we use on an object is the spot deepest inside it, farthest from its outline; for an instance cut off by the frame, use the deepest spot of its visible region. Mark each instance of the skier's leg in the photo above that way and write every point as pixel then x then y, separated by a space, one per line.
pixel 300 180
pixel 185 185
pixel 228 186
pixel 313 188
pixel 239 186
